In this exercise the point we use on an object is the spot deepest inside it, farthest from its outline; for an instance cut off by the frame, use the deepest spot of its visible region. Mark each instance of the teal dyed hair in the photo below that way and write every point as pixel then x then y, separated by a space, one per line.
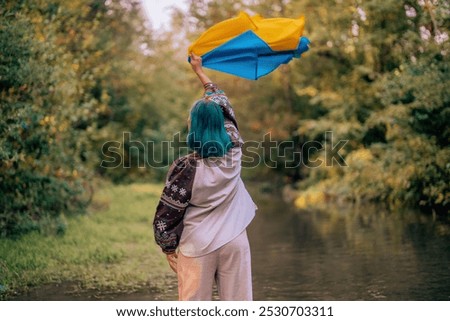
pixel 207 135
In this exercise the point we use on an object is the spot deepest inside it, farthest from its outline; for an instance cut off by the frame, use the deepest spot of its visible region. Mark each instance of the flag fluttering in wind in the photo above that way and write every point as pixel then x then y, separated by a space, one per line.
pixel 251 47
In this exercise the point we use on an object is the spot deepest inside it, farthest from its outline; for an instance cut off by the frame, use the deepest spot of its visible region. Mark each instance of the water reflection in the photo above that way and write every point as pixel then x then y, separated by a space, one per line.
pixel 347 254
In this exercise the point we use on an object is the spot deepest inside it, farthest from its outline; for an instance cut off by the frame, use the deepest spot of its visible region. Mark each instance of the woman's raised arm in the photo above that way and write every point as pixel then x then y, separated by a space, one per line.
pixel 213 93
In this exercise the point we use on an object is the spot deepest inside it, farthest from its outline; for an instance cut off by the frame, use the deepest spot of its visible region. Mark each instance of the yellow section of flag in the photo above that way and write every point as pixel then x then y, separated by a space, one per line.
pixel 279 33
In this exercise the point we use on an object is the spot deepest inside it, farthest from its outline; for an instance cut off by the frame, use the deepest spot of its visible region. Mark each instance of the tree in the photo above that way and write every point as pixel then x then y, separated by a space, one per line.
pixel 381 84
pixel 76 75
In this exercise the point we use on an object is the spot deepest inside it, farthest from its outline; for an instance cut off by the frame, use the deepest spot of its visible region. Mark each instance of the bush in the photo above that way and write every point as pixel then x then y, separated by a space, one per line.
pixel 40 163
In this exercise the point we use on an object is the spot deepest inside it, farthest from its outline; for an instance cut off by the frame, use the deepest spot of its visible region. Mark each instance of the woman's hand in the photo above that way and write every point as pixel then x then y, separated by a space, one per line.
pixel 172 259
pixel 196 64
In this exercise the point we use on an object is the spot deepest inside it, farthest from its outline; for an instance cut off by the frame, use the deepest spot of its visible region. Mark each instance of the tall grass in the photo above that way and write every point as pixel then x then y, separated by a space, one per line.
pixel 109 247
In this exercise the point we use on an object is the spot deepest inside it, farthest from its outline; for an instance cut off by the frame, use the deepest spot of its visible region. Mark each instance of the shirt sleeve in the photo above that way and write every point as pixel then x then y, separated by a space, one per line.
pixel 176 195
pixel 215 94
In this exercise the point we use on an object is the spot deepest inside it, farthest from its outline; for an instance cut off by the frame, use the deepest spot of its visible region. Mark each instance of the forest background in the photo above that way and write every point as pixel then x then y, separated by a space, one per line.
pixel 77 74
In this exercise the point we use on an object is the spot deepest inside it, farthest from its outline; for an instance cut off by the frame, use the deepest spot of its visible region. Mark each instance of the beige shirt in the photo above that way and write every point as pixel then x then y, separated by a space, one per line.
pixel 220 207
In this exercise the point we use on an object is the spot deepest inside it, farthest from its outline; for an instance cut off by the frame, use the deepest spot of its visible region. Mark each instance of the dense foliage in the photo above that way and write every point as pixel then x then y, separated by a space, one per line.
pixel 389 100
pixel 86 81
pixel 74 76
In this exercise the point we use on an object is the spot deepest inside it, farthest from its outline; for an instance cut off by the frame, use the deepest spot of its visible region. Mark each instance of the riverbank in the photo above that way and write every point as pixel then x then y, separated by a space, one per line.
pixel 110 249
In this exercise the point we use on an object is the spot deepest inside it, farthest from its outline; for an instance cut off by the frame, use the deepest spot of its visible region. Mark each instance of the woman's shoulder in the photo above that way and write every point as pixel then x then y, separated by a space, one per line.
pixel 186 160
pixel 183 168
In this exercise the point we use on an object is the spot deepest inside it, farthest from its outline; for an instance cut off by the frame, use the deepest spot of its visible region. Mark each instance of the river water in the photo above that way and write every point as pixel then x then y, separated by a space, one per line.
pixel 363 253
pixel 360 253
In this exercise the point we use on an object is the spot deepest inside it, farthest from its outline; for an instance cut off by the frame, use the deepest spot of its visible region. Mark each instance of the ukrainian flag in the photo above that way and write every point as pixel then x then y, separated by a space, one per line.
pixel 251 47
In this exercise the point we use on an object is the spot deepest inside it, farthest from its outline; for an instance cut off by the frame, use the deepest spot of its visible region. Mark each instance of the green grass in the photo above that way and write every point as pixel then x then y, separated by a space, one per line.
pixel 110 247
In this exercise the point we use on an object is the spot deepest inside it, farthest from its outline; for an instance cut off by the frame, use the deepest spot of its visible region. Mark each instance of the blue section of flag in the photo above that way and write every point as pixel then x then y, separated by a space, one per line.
pixel 248 56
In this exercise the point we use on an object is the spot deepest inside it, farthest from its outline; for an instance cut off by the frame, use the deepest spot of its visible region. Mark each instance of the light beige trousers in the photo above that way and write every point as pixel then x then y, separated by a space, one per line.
pixel 229 266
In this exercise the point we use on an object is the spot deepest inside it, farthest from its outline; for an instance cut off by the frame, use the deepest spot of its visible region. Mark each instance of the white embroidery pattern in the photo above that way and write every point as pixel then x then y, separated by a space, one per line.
pixel 176 204
pixel 161 225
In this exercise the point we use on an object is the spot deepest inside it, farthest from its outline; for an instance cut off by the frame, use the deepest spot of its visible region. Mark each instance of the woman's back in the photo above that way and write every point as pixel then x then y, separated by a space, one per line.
pixel 220 206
